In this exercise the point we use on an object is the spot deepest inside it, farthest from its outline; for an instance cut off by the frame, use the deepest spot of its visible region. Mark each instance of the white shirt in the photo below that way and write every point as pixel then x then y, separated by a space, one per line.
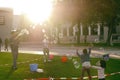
pixel 101 74
pixel 45 43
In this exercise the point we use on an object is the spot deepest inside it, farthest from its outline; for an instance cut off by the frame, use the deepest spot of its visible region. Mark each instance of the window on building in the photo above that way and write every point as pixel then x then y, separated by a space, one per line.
pixel 2 20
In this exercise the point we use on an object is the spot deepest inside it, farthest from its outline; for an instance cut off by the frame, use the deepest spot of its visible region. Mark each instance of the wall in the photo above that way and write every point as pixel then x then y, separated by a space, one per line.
pixel 6 19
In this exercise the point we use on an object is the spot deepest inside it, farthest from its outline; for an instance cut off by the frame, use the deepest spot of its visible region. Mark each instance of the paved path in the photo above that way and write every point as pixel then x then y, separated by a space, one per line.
pixel 60 50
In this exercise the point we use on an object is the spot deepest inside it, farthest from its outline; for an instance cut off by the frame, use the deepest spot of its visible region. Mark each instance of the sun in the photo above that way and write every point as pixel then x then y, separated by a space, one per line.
pixel 38 10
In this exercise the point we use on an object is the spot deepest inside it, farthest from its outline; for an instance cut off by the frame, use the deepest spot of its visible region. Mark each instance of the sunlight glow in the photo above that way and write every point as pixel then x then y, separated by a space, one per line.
pixel 36 10
pixel 40 11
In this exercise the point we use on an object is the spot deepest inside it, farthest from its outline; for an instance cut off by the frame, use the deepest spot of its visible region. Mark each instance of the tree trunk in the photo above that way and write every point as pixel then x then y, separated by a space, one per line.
pixel 78 33
pixel 110 30
pixel 58 36
pixel 109 35
pixel 85 32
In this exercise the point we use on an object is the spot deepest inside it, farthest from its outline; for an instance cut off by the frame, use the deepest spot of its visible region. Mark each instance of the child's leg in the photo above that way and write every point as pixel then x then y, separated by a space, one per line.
pixel 44 52
pixel 47 53
pixel 89 75
pixel 82 73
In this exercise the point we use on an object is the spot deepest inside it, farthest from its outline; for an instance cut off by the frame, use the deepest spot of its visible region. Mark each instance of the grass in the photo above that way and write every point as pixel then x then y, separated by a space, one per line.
pixel 55 68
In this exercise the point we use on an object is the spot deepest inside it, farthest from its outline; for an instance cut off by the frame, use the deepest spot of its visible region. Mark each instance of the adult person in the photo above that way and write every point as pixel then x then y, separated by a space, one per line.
pixel 14 44
pixel 85 60
pixel 6 42
pixel 0 44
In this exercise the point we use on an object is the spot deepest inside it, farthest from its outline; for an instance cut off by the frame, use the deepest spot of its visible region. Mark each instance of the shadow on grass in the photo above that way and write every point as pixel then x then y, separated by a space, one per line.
pixel 11 71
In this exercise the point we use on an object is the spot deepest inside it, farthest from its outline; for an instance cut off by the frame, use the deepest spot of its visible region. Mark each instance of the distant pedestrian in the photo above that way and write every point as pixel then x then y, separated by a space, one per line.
pixel 14 44
pixel 46 49
pixel 6 43
pixel 85 60
pixel 0 44
pixel 101 65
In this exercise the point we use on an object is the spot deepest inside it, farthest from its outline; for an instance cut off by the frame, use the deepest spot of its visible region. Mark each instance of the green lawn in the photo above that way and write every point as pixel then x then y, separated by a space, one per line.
pixel 55 68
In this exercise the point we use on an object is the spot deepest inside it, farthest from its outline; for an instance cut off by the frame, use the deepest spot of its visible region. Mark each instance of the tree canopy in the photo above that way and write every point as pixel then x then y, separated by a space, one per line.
pixel 88 12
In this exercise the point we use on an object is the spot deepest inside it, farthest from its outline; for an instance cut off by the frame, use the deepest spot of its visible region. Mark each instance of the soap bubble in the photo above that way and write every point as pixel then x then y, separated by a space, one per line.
pixel 73 60
pixel 76 64
pixel 69 56
pixel 23 32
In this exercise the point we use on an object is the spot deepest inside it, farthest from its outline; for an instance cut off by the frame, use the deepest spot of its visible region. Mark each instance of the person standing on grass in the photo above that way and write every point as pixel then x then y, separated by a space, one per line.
pixel 46 49
pixel 85 60
pixel 0 44
pixel 6 44
pixel 14 44
pixel 101 65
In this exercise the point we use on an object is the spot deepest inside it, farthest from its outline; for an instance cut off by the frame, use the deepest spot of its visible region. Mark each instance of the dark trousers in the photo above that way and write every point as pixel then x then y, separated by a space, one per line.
pixel 14 50
pixel 88 72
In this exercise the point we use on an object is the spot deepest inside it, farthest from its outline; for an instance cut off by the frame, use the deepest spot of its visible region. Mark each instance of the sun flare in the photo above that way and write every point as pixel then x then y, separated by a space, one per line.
pixel 39 10
pixel 36 10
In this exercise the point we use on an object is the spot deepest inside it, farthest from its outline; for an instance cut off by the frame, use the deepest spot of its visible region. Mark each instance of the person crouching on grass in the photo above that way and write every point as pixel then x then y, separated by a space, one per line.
pixel 101 65
pixel 85 60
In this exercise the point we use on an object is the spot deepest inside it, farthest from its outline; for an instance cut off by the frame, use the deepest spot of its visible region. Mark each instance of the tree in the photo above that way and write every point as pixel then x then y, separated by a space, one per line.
pixel 67 11
pixel 107 12
pixel 88 12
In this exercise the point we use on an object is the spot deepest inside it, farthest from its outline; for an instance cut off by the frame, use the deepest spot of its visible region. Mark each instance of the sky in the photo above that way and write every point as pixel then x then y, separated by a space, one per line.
pixel 15 4
pixel 36 10
pixel 23 5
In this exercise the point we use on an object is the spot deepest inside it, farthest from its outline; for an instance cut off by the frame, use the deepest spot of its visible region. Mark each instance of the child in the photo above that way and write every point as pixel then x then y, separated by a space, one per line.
pixel 85 60
pixel 101 65
pixel 46 50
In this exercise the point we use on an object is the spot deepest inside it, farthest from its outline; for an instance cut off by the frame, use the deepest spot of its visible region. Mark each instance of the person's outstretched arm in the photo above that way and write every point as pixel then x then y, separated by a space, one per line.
pixel 96 67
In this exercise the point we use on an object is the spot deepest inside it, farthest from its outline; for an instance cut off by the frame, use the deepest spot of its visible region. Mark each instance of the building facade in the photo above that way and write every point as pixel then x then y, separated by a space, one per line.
pixel 6 21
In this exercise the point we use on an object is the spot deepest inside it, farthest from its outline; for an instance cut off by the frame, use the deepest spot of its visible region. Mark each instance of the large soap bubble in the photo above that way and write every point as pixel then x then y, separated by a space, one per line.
pixel 76 64
pixel 23 32
pixel 69 56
